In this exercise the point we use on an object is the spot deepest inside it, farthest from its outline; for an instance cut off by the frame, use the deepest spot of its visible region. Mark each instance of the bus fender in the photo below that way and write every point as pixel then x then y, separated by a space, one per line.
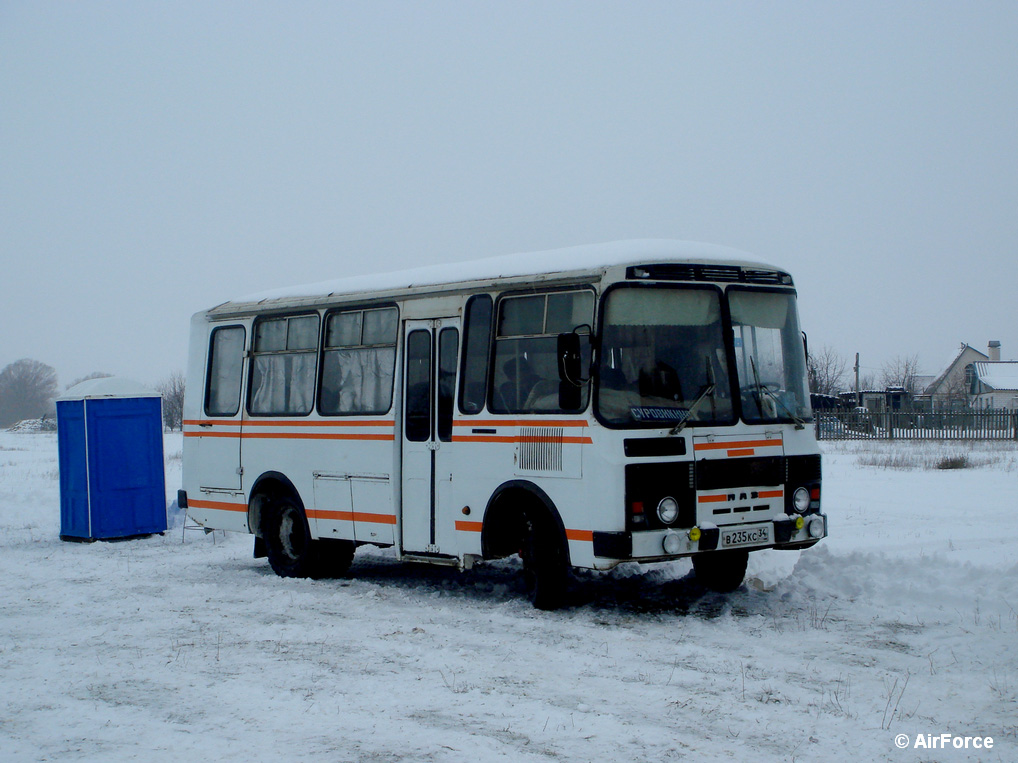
pixel 267 485
pixel 500 533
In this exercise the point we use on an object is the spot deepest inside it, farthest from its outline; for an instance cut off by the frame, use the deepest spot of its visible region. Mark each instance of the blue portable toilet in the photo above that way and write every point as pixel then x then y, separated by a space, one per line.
pixel 110 442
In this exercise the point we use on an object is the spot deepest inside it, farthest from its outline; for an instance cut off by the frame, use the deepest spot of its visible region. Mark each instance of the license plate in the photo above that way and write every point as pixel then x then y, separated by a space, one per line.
pixel 746 536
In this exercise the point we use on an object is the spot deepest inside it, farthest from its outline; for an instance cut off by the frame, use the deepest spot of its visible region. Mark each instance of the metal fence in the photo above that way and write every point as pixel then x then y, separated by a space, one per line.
pixel 963 425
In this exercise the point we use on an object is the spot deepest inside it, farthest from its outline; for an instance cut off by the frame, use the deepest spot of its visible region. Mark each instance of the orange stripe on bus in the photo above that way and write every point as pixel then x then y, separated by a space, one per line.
pixel 587 535
pixel 743 452
pixel 352 516
pixel 218 505
pixel 771 493
pixel 317 423
pixel 378 519
pixel 313 436
pixel 389 437
pixel 336 516
pixel 293 436
pixel 711 498
pixel 547 438
pixel 520 423
pixel 470 527
pixel 290 423
pixel 741 444
pixel 517 438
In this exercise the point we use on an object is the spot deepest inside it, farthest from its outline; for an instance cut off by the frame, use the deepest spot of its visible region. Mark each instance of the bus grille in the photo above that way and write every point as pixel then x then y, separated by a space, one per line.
pixel 722 473
pixel 541 449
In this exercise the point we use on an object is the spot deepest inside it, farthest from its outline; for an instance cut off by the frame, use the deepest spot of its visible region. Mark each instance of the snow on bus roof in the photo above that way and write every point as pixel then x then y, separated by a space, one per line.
pixel 576 258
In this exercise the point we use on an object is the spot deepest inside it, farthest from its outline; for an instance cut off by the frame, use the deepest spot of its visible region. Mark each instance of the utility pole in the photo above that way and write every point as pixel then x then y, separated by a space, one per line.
pixel 858 392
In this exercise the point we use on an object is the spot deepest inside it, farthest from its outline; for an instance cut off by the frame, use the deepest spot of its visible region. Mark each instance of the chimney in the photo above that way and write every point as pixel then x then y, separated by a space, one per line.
pixel 993 350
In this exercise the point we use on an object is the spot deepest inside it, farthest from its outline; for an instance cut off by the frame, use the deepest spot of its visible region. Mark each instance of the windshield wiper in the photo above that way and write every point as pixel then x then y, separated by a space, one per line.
pixel 762 389
pixel 707 390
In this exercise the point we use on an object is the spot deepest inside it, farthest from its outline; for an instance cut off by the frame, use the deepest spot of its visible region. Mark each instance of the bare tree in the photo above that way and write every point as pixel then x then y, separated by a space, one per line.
pixel 902 372
pixel 826 370
pixel 172 390
pixel 956 392
pixel 27 389
pixel 866 381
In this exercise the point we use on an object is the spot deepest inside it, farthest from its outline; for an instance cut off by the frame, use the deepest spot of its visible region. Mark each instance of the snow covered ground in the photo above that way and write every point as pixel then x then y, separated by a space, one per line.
pixel 905 621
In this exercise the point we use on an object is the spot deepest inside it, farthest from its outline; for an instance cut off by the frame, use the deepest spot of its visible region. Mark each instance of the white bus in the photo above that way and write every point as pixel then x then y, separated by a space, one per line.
pixel 634 401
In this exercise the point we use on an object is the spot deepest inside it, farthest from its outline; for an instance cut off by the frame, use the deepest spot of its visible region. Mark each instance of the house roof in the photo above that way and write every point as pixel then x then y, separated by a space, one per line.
pixel 998 375
pixel 935 384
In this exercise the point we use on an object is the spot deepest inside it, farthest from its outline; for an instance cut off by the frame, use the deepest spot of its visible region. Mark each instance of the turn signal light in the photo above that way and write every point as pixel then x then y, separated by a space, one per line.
pixel 694 534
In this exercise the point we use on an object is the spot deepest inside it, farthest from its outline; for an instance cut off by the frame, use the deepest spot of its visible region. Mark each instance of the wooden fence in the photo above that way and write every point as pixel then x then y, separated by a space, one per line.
pixel 964 425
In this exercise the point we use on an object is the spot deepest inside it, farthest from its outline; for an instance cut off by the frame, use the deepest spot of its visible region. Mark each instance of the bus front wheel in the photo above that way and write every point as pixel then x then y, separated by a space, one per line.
pixel 545 569
pixel 721 571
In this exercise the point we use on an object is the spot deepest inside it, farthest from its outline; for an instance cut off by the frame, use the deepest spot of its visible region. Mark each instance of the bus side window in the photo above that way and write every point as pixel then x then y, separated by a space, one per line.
pixel 226 360
pixel 358 362
pixel 525 368
pixel 284 365
pixel 476 346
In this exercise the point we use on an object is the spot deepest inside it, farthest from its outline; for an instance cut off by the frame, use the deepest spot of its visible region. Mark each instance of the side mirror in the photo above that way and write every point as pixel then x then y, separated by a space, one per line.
pixel 570 359
pixel 570 356
pixel 570 369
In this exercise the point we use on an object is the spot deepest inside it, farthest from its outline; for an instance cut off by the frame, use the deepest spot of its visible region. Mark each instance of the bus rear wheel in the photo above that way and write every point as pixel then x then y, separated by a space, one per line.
pixel 288 542
pixel 721 571
pixel 545 569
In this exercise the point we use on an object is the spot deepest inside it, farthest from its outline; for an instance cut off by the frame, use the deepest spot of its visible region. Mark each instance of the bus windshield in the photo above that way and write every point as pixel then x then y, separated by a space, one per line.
pixel 769 356
pixel 663 357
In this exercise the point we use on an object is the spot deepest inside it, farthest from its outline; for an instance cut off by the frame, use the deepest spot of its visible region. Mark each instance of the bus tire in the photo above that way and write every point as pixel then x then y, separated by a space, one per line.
pixel 291 550
pixel 545 569
pixel 721 571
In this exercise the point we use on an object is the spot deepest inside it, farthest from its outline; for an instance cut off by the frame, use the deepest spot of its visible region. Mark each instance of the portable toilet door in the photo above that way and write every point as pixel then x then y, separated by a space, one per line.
pixel 110 442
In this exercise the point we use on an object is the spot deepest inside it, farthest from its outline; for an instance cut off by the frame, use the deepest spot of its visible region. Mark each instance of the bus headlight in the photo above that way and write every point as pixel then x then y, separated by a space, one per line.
pixel 668 510
pixel 800 500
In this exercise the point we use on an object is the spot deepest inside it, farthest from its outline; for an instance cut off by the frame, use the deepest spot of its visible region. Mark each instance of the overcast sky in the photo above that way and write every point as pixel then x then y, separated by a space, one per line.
pixel 156 159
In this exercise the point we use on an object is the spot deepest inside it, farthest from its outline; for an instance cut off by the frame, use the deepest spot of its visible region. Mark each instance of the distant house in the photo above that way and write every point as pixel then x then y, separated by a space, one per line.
pixel 995 385
pixel 820 402
pixel 921 399
pixel 950 390
pixel 887 400
pixel 874 400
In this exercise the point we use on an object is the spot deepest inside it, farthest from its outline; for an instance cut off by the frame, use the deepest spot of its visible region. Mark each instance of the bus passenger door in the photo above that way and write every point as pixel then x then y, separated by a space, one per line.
pixel 429 382
pixel 219 429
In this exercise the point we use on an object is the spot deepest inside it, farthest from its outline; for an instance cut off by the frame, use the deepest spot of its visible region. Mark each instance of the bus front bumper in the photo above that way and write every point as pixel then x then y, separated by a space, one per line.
pixel 662 545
